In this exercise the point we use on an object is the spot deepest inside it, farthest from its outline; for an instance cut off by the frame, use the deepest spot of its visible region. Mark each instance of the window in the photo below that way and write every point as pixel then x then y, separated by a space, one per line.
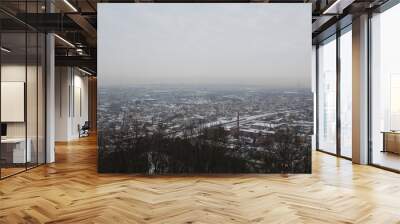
pixel 327 96
pixel 22 87
pixel 385 89
pixel 346 93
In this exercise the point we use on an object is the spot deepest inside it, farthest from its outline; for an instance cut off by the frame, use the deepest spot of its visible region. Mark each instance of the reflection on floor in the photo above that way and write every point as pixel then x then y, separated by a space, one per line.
pixel 387 159
pixel 346 152
pixel 10 171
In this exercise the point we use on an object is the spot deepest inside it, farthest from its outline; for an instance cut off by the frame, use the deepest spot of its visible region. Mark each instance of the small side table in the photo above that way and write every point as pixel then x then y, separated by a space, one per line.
pixel 391 141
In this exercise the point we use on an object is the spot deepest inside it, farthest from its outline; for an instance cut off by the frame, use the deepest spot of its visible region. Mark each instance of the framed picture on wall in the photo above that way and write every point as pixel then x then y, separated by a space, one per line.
pixel 204 88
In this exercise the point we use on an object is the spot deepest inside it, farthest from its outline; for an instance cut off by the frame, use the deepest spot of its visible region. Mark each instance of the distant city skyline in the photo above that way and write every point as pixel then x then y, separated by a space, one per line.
pixel 202 44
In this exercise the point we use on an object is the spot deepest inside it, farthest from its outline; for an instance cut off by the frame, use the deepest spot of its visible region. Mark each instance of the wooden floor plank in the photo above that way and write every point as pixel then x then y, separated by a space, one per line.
pixel 71 191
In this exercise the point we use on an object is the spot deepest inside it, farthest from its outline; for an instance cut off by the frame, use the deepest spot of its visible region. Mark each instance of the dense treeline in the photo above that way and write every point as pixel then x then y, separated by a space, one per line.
pixel 284 152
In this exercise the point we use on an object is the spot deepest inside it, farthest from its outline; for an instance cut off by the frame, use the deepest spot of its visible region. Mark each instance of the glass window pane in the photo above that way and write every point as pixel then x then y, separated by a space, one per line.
pixel 31 88
pixel 385 91
pixel 327 96
pixel 22 90
pixel 41 98
pixel 346 94
pixel 13 86
pixel 31 97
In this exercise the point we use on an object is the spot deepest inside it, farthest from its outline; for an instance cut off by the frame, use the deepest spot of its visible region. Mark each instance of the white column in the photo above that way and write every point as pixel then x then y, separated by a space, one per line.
pixel 63 99
pixel 360 90
pixel 50 98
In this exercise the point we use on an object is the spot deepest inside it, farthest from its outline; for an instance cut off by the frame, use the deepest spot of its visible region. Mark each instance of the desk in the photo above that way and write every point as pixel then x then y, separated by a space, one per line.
pixel 13 150
pixel 391 141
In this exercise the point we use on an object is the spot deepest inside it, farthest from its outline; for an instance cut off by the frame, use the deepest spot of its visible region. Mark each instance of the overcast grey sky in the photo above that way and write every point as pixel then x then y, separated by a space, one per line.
pixel 249 44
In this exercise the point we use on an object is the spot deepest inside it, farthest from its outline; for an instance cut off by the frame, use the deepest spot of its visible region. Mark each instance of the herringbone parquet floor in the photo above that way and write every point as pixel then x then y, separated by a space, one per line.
pixel 71 191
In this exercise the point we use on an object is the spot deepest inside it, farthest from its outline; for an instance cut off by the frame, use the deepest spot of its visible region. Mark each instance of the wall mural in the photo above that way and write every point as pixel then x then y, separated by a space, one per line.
pixel 204 88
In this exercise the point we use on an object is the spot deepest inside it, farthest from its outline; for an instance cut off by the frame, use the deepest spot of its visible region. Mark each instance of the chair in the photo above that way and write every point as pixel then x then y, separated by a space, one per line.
pixel 84 130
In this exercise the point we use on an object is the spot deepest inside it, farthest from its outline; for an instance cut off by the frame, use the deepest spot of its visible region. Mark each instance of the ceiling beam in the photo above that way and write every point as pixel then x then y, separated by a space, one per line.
pixel 86 27
pixel 81 61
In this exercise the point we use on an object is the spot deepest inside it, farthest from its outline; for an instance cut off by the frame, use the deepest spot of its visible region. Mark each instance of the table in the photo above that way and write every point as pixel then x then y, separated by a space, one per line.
pixel 391 141
pixel 13 150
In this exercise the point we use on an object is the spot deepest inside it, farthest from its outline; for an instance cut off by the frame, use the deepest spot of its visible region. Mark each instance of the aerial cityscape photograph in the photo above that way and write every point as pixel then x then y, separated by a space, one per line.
pixel 204 89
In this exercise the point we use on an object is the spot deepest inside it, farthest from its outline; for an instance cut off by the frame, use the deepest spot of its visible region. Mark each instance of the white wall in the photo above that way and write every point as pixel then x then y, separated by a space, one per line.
pixel 80 109
pixel 62 82
pixel 16 73
pixel 12 73
pixel 71 102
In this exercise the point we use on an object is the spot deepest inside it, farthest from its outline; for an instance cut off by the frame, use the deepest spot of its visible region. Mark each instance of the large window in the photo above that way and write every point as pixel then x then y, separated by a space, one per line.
pixel 346 93
pixel 385 89
pixel 335 94
pixel 22 98
pixel 327 96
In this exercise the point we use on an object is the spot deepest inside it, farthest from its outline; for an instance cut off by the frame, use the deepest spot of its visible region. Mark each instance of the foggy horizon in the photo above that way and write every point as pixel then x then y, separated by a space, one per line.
pixel 205 44
pixel 202 85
